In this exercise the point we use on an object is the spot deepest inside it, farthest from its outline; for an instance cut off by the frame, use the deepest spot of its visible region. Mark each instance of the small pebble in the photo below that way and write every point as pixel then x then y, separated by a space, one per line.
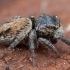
pixel 20 49
pixel 43 50
pixel 30 59
pixel 13 49
pixel 15 55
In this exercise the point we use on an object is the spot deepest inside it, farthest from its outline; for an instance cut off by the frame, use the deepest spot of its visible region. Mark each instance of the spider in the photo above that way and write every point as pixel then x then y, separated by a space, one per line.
pixel 45 30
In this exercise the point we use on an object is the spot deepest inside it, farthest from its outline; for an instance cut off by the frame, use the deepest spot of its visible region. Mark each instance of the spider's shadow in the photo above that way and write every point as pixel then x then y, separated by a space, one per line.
pixel 39 51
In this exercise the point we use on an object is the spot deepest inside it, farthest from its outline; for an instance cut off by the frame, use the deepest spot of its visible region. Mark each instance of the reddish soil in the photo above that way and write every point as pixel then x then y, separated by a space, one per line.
pixel 46 60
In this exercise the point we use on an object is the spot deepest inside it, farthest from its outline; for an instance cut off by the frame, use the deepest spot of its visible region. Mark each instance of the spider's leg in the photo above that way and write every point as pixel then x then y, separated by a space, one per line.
pixel 33 19
pixel 63 38
pixel 32 41
pixel 48 44
pixel 7 68
pixel 15 42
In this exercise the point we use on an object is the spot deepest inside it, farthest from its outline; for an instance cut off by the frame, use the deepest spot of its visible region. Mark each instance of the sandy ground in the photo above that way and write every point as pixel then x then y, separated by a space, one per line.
pixel 45 59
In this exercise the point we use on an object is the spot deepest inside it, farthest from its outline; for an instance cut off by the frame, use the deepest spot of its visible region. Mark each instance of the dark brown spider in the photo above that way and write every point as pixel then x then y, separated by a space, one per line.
pixel 45 30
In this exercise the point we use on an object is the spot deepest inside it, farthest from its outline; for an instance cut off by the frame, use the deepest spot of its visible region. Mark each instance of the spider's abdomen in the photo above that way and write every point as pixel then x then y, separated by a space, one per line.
pixel 11 29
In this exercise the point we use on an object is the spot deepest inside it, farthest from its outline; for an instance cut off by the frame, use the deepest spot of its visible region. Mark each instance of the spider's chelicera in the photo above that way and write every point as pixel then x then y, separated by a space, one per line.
pixel 45 30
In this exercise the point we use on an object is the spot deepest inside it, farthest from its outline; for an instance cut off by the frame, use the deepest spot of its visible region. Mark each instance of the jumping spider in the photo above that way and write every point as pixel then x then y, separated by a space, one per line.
pixel 44 30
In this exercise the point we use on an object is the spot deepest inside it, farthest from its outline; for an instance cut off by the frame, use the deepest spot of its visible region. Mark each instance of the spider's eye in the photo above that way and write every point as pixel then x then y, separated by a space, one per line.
pixel 52 25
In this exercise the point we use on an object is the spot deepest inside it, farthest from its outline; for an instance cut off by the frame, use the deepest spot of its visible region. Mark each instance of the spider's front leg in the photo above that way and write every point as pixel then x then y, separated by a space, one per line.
pixel 32 43
pixel 63 38
pixel 48 44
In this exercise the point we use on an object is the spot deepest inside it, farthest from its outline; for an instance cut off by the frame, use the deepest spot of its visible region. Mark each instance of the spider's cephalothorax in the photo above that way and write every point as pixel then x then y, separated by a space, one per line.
pixel 47 24
pixel 45 30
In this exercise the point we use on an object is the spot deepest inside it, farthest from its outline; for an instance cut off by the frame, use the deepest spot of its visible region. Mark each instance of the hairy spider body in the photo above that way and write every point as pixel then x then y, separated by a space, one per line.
pixel 14 28
pixel 45 30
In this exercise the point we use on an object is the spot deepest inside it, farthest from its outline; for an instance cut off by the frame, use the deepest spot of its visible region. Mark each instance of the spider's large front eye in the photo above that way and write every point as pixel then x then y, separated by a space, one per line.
pixel 52 26
pixel 42 28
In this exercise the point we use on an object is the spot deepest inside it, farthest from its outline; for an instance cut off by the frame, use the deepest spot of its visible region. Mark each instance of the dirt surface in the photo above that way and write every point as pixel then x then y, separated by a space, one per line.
pixel 45 59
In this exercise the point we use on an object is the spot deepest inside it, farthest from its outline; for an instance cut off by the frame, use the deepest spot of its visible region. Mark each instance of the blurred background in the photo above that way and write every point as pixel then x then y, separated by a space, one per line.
pixel 10 8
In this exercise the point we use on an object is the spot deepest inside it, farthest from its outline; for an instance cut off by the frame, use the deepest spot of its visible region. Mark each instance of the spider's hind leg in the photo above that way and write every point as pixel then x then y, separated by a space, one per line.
pixel 15 42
